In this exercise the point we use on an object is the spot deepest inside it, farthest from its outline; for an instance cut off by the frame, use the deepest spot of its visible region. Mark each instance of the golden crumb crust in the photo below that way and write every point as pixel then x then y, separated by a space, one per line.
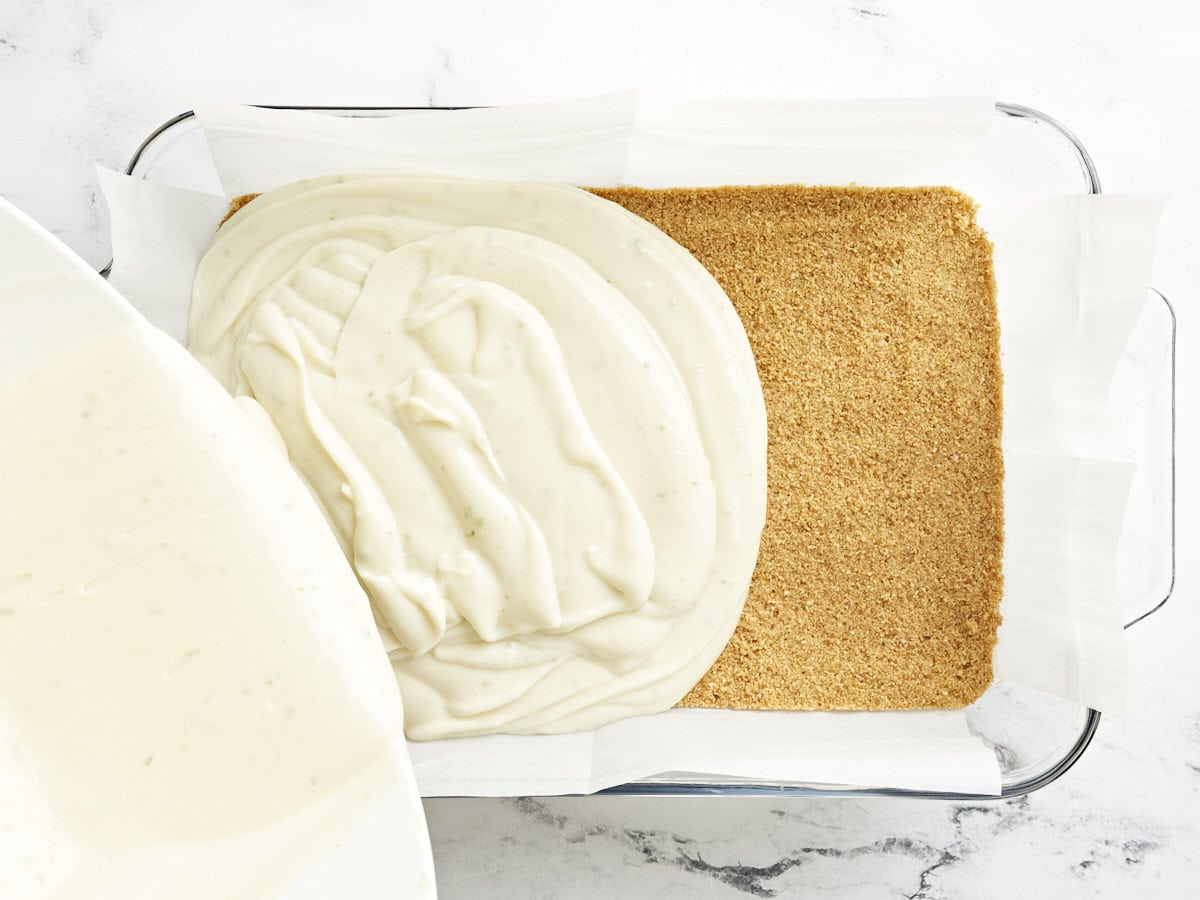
pixel 235 204
pixel 872 315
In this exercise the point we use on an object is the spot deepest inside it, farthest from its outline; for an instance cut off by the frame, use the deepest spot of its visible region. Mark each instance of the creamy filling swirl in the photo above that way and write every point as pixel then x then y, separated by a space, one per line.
pixel 532 420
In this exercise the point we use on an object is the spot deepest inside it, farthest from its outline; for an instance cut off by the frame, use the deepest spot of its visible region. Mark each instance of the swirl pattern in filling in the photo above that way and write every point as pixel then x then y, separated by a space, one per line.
pixel 532 420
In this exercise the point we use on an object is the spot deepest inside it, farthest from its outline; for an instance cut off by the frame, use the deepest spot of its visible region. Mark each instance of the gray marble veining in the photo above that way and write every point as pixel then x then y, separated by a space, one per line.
pixel 757 848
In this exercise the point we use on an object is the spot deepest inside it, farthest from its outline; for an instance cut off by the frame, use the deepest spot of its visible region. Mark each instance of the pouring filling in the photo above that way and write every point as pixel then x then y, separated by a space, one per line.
pixel 532 420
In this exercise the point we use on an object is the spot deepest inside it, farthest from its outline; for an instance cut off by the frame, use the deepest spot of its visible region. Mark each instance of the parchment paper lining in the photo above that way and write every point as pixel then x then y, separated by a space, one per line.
pixel 1072 274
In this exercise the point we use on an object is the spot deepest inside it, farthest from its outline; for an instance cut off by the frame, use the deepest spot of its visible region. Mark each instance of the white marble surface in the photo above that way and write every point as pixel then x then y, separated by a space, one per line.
pixel 84 82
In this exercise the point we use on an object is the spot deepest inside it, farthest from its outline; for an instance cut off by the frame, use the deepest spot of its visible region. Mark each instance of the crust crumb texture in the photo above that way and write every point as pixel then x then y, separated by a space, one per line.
pixel 872 315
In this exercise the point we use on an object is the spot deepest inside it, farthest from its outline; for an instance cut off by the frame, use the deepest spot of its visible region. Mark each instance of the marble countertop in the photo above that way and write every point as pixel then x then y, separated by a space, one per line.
pixel 82 83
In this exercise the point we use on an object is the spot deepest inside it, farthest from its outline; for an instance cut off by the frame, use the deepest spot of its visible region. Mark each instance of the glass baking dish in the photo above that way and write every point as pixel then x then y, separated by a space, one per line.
pixel 1036 737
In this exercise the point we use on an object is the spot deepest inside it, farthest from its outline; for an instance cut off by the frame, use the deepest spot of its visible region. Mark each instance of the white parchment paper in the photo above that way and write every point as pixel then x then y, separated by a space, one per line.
pixel 1072 275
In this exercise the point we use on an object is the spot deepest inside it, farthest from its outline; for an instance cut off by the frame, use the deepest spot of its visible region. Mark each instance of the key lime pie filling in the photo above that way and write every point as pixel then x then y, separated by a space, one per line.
pixel 532 420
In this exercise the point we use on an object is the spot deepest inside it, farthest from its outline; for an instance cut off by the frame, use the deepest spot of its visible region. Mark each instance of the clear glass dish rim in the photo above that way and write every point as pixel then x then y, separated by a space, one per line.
pixel 1091 722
